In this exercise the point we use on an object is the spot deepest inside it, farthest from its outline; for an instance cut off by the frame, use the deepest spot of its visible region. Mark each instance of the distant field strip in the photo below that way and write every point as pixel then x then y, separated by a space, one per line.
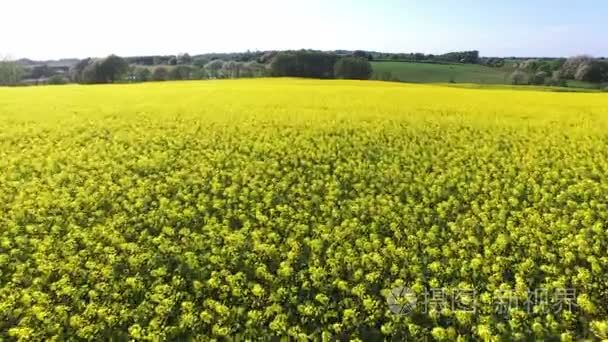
pixel 441 73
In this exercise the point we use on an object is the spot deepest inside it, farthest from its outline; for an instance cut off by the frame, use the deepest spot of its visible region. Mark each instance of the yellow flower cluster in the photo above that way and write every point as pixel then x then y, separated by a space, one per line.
pixel 284 207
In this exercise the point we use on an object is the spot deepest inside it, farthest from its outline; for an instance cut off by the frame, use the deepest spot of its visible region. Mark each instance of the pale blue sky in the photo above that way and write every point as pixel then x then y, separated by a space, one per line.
pixel 79 28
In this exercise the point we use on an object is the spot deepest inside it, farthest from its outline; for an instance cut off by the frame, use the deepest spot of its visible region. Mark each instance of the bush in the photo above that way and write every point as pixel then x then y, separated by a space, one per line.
pixel 539 78
pixel 143 74
pixel 593 71
pixel 353 68
pixel 160 74
pixel 181 72
pixel 519 78
pixel 213 68
pixel 571 66
pixel 200 74
pixel 10 73
pixel 57 80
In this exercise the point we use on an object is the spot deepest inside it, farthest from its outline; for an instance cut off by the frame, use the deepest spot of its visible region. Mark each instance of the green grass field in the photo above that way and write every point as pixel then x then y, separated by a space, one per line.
pixel 441 73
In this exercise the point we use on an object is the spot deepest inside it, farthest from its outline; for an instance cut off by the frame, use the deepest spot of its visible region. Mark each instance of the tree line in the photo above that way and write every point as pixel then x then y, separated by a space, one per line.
pixel 314 64
pixel 302 63
pixel 136 69
pixel 112 69
pixel 558 71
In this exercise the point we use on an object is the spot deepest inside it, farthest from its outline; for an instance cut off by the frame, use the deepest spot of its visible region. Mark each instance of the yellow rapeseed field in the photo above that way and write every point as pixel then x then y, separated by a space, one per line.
pixel 302 208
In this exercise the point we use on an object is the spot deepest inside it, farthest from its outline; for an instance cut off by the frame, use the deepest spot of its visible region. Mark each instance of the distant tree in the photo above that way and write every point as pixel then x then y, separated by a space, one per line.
pixel 143 60
pixel 112 68
pixel 214 67
pixel 181 72
pixel 200 74
pixel 200 62
pixel 41 71
pixel 353 68
pixel 267 57
pixel 545 66
pixel 76 72
pixel 10 72
pixel 419 57
pixel 572 65
pixel 362 54
pixel 594 71
pixel 232 69
pixel 284 64
pixel 471 57
pixel 556 80
pixel 57 80
pixel 256 69
pixel 91 73
pixel 160 74
pixel 246 56
pixel 539 78
pixel 385 76
pixel 311 64
pixel 157 60
pixel 468 57
pixel 519 77
pixel 184 59
pixel 107 70
pixel 142 74
pixel 530 65
pixel 557 64
pixel 172 60
pixel 130 75
pixel 493 62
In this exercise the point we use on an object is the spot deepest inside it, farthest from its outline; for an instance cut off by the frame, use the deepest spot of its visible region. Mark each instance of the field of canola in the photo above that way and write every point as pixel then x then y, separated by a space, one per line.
pixel 295 208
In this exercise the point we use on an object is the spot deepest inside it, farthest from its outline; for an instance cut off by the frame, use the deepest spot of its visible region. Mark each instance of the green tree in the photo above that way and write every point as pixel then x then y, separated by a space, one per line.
pixel 571 66
pixel 214 67
pixel 181 72
pixel 539 78
pixel 256 69
pixel 519 77
pixel 57 80
pixel 362 54
pixel 91 73
pixel 200 62
pixel 593 71
pixel 160 74
pixel 107 70
pixel 184 59
pixel 112 68
pixel 233 69
pixel 10 72
pixel 41 71
pixel 353 68
pixel 311 64
pixel 200 74
pixel 142 74
pixel 76 72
